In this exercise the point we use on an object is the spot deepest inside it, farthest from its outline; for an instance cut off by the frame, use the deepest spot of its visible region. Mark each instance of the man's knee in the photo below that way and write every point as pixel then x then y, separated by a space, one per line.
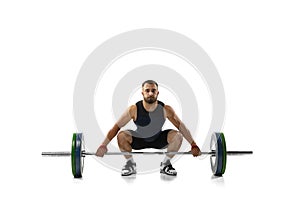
pixel 175 136
pixel 179 137
pixel 124 137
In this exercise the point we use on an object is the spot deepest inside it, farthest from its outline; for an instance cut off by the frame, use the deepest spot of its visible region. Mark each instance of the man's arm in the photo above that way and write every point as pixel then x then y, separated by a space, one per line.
pixel 174 119
pixel 123 120
pixel 129 114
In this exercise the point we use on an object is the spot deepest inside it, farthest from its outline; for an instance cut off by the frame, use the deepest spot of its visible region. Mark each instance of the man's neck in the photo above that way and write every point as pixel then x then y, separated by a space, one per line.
pixel 149 107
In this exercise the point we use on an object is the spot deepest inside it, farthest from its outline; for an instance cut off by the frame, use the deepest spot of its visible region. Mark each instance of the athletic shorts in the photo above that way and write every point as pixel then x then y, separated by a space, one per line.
pixel 158 141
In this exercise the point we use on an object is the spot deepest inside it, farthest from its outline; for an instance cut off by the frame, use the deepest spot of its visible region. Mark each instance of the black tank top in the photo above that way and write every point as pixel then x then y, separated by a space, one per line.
pixel 149 124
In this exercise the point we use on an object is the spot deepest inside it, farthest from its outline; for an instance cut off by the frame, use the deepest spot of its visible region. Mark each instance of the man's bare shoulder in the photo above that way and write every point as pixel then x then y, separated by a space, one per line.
pixel 132 111
pixel 132 108
pixel 169 110
pixel 168 107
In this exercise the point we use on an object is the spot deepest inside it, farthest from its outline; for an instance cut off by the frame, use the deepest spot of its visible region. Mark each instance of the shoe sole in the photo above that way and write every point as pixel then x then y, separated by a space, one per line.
pixel 129 174
pixel 163 172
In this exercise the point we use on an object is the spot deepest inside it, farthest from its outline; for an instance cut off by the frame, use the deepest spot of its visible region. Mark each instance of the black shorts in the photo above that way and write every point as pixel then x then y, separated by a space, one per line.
pixel 158 141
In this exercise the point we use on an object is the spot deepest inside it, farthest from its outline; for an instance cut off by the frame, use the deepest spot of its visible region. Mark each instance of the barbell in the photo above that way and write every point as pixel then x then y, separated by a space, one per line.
pixel 218 154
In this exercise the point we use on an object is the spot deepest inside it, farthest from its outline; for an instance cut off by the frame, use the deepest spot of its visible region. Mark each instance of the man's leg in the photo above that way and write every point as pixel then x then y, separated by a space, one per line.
pixel 174 140
pixel 124 141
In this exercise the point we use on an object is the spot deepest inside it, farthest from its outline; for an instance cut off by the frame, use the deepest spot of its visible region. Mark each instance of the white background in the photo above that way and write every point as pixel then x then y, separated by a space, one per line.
pixel 255 46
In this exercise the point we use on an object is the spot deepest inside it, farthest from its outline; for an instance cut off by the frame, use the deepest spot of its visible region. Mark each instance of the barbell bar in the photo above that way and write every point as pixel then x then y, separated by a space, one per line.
pixel 218 154
pixel 212 153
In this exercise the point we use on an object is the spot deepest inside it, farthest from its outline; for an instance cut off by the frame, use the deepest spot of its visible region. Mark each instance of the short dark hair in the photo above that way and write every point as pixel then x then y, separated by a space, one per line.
pixel 150 82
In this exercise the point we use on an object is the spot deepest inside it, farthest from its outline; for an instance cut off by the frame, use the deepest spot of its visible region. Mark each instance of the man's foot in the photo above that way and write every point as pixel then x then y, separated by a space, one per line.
pixel 129 168
pixel 167 168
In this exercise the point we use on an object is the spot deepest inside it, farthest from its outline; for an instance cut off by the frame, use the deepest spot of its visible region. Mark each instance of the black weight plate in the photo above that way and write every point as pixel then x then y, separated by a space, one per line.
pixel 217 161
pixel 78 156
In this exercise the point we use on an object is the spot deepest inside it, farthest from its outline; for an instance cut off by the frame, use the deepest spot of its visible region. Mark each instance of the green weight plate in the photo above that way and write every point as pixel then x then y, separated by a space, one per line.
pixel 77 159
pixel 73 163
pixel 224 153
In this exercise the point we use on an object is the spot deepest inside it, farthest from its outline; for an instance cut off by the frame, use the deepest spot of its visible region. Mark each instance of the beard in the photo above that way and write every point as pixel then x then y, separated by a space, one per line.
pixel 150 100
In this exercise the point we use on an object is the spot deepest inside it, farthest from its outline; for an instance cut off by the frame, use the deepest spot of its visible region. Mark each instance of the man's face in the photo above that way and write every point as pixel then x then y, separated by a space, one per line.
pixel 150 93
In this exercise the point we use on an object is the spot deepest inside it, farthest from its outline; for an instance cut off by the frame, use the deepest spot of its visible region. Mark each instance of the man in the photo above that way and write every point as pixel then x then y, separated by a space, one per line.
pixel 149 115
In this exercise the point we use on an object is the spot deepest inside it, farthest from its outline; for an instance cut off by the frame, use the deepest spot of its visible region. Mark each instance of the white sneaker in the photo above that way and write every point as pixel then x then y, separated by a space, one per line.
pixel 129 168
pixel 167 168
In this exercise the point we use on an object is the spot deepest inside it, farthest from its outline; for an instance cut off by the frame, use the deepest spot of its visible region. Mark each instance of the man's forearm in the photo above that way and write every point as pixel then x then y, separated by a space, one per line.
pixel 111 134
pixel 186 133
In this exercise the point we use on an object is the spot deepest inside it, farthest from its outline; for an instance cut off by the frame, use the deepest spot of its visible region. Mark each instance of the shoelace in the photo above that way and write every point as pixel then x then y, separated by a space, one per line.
pixel 129 165
pixel 170 167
